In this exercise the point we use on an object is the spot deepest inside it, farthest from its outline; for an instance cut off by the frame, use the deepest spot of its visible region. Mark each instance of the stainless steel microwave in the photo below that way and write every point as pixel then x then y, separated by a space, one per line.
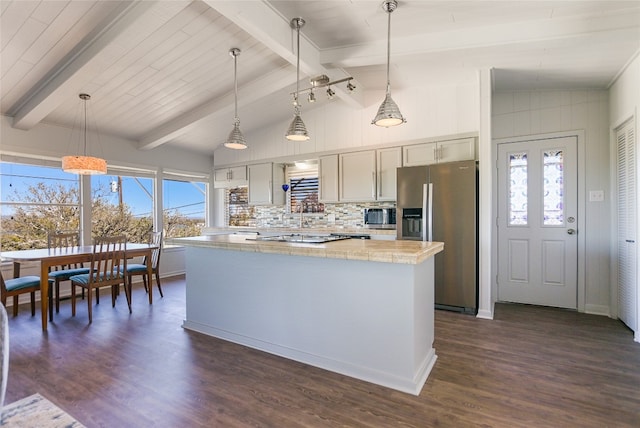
pixel 380 218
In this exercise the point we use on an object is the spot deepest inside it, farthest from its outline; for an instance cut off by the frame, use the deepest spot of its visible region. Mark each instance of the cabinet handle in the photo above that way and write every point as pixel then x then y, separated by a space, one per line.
pixel 270 191
pixel 373 184
pixel 229 175
pixel 435 153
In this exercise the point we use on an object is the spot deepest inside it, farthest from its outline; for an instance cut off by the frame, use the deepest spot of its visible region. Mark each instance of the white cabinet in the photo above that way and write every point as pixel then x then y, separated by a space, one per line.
pixel 439 152
pixel 388 161
pixel 328 178
pixel 230 177
pixel 358 176
pixel 265 184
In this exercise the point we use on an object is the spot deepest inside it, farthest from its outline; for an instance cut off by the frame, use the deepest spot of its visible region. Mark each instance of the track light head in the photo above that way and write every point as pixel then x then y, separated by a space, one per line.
pixel 330 93
pixel 351 87
pixel 312 97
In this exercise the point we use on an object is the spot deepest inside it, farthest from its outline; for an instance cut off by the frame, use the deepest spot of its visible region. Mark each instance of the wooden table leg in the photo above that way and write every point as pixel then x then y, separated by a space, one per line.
pixel 44 293
pixel 150 276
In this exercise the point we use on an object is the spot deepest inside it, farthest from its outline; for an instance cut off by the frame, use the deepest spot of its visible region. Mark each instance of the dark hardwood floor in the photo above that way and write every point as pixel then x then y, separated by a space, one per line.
pixel 528 367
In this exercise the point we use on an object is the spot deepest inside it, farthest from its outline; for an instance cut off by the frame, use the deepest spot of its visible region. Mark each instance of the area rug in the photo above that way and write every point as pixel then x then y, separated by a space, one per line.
pixel 36 411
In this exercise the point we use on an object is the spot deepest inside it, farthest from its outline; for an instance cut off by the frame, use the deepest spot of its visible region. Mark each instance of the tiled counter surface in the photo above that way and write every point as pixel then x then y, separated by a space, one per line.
pixel 404 252
pixel 374 233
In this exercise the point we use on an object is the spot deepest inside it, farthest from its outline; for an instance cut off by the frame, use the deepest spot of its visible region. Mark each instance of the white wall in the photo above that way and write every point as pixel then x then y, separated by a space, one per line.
pixel 431 111
pixel 624 104
pixel 527 113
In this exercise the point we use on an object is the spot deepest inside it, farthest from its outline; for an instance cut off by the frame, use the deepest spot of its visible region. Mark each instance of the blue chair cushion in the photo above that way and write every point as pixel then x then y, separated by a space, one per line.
pixel 63 275
pixel 84 278
pixel 135 268
pixel 22 282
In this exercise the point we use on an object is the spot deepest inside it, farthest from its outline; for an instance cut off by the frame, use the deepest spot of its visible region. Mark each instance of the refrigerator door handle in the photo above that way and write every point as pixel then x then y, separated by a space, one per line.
pixel 425 205
pixel 429 211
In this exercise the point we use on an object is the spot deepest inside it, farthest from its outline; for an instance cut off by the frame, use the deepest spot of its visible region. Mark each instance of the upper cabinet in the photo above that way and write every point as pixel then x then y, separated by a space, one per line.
pixel 265 184
pixel 358 176
pixel 439 152
pixel 230 177
pixel 388 161
pixel 328 178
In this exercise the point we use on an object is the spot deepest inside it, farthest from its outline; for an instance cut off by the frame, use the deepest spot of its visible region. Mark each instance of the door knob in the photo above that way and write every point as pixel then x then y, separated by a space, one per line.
pixel 571 231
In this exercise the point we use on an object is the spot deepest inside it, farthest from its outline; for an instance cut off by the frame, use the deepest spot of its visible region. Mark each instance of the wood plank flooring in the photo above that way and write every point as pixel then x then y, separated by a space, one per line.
pixel 530 366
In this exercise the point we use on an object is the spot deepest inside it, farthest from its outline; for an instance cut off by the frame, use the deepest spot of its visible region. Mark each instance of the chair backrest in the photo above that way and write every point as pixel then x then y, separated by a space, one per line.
pixel 108 255
pixel 64 240
pixel 4 354
pixel 155 239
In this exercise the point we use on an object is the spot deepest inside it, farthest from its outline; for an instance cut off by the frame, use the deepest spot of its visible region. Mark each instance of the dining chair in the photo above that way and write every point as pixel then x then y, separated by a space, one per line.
pixel 17 286
pixel 62 273
pixel 155 239
pixel 107 269
pixel 4 355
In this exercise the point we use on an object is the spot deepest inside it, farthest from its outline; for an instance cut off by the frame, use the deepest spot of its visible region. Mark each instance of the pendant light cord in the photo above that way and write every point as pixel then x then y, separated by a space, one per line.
pixel 235 85
pixel 388 49
pixel 85 126
pixel 297 63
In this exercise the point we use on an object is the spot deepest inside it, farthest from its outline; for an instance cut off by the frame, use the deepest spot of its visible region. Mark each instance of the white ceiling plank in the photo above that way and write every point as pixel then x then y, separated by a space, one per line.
pixel 250 92
pixel 476 38
pixel 47 96
pixel 272 29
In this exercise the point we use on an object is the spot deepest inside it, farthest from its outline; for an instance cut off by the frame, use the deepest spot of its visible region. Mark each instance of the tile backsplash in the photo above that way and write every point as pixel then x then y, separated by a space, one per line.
pixel 335 215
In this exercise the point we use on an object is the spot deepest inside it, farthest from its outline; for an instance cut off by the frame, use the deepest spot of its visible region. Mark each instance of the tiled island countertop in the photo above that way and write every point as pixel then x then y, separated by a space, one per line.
pixel 405 252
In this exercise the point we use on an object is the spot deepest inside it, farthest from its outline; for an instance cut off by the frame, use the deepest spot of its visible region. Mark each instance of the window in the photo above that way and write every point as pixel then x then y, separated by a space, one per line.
pixel 184 204
pixel 122 203
pixel 239 212
pixel 303 189
pixel 36 199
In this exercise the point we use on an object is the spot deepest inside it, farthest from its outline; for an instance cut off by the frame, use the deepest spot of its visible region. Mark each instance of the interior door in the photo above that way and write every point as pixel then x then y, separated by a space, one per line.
pixel 537 222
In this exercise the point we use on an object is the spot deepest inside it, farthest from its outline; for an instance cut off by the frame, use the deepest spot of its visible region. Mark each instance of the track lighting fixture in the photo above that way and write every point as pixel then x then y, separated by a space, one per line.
pixel 388 112
pixel 297 131
pixel 323 81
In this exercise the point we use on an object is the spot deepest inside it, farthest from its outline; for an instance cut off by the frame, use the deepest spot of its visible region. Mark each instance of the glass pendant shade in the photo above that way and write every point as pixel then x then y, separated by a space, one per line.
pixel 84 165
pixel 388 113
pixel 297 131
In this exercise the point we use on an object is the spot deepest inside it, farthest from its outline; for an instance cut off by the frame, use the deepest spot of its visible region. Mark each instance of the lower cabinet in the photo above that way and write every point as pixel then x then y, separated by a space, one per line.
pixel 265 184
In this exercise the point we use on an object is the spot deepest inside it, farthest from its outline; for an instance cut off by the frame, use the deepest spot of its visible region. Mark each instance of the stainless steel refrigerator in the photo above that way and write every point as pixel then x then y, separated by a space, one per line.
pixel 439 203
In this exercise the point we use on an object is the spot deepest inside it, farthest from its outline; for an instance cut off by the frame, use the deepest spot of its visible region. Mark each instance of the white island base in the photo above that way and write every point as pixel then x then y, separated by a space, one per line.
pixel 369 320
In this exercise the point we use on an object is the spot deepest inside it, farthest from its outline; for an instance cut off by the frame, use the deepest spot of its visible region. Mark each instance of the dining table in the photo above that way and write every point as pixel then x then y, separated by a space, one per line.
pixel 49 257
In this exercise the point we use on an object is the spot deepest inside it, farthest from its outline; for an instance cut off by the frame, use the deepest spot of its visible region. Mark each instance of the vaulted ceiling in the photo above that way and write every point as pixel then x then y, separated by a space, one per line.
pixel 159 72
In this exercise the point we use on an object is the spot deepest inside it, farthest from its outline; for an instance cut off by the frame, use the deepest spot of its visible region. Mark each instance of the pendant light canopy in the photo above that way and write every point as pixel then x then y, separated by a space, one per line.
pixel 297 131
pixel 388 112
pixel 236 139
pixel 84 165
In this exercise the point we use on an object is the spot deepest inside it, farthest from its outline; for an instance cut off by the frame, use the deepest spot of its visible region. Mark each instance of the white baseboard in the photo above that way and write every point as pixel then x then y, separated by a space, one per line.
pixel 597 310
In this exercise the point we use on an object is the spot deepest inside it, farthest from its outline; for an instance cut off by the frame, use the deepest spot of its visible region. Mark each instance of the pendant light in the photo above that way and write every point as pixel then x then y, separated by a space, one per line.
pixel 84 165
pixel 236 139
pixel 297 131
pixel 388 112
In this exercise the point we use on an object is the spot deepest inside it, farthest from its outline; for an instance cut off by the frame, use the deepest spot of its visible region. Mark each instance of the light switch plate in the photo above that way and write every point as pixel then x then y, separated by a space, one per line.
pixel 596 196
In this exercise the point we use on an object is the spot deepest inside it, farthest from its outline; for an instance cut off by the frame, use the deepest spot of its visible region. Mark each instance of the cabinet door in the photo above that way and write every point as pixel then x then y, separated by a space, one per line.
pixel 328 178
pixel 261 184
pixel 358 176
pixel 457 150
pixel 419 154
pixel 238 175
pixel 221 178
pixel 388 161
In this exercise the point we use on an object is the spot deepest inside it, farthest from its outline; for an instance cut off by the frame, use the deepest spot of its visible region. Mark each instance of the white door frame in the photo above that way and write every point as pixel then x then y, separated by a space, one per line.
pixel 581 207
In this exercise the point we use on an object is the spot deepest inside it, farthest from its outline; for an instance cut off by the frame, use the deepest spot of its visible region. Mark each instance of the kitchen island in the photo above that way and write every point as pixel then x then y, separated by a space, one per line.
pixel 362 308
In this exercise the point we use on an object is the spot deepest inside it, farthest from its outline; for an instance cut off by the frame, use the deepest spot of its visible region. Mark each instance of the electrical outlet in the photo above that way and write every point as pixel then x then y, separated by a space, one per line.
pixel 596 196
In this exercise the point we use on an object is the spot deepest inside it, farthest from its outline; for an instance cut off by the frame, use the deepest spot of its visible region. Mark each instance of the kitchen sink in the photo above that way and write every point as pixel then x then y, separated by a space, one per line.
pixel 296 237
